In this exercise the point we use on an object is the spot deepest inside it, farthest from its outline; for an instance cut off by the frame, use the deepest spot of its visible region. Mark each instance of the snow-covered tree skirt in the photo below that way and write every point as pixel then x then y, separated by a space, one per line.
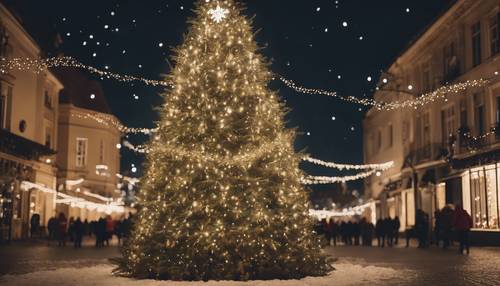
pixel 345 274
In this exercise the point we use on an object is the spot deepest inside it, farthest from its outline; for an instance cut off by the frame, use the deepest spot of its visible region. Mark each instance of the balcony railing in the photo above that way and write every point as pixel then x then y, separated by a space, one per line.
pixel 469 142
pixel 13 144
pixel 429 152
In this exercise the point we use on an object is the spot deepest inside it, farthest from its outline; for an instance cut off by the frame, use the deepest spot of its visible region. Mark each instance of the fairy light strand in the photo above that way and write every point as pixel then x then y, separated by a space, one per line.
pixel 39 65
pixel 323 180
pixel 383 166
pixel 308 180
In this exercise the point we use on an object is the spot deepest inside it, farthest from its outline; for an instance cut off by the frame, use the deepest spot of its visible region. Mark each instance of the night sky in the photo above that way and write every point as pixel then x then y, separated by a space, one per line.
pixel 305 40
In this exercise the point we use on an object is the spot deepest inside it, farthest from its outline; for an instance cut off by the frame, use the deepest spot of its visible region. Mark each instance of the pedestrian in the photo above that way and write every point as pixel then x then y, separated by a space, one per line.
pixel 343 232
pixel 119 230
pixel 52 228
pixel 326 231
pixel 388 231
pixel 397 226
pixel 86 228
pixel 462 222
pixel 365 232
pixel 422 228
pixel 335 231
pixel 437 227
pixel 110 228
pixel 100 232
pixel 379 232
pixel 127 227
pixel 370 233
pixel 62 228
pixel 35 225
pixel 79 230
pixel 446 225
pixel 356 232
pixel 349 232
pixel 71 229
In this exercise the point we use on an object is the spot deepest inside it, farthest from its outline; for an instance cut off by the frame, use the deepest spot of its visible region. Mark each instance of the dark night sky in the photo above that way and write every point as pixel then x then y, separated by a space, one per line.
pixel 292 33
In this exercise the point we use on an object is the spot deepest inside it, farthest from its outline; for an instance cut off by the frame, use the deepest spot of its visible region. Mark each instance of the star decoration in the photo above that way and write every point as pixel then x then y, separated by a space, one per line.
pixel 218 14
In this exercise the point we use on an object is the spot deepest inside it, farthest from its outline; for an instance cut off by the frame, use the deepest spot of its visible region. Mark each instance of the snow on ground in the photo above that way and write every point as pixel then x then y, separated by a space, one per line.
pixel 345 274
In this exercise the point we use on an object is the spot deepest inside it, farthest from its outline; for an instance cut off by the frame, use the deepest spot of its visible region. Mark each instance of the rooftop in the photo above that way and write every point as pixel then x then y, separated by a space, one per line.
pixel 80 91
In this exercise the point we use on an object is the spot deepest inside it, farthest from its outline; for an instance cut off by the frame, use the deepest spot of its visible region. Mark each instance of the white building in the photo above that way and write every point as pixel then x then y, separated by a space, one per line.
pixel 447 151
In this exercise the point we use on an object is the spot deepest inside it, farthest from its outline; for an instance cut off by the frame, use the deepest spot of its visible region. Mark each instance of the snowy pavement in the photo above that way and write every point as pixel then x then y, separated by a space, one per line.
pixel 40 265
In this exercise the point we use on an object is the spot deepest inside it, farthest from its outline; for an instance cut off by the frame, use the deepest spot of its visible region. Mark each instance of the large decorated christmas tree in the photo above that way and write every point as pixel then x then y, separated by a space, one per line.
pixel 222 195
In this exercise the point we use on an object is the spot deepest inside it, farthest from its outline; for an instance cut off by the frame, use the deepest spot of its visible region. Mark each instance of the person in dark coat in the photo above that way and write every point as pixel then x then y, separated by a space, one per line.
pixel 86 228
pixel 71 229
pixel 422 228
pixel 446 226
pixel 35 225
pixel 101 235
pixel 334 227
pixel 438 227
pixel 356 232
pixel 52 228
pixel 326 231
pixel 462 222
pixel 388 231
pixel 396 224
pixel 62 228
pixel 349 232
pixel 79 230
pixel 343 232
pixel 379 232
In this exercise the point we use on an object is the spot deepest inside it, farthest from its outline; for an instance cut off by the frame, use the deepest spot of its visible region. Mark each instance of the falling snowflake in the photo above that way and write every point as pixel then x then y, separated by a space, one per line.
pixel 218 14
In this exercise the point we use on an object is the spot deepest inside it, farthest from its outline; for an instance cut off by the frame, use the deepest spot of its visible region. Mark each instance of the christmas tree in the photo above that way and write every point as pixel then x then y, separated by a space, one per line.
pixel 222 195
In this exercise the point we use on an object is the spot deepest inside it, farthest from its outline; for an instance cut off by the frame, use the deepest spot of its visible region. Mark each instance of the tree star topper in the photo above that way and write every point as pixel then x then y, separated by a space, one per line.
pixel 218 14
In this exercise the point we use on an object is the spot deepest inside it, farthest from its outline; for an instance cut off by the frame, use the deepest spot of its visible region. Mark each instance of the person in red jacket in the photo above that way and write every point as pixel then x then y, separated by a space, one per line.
pixel 462 222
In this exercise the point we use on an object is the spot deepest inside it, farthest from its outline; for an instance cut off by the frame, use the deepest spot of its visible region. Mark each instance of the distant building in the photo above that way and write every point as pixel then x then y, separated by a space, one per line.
pixel 448 151
pixel 58 142
pixel 28 132
pixel 88 160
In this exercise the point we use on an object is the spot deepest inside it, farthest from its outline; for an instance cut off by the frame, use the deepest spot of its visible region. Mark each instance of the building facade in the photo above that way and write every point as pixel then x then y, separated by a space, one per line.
pixel 28 129
pixel 58 142
pixel 447 151
pixel 88 158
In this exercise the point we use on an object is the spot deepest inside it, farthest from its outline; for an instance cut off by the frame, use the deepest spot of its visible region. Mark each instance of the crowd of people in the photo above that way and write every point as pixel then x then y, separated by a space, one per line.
pixel 62 230
pixel 450 223
pixel 361 232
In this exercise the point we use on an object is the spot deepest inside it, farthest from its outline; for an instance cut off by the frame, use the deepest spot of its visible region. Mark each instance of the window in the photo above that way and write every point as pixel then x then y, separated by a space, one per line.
pixel 406 131
pixel 450 64
pixel 370 148
pixel 4 42
pixel 497 118
pixel 390 134
pixel 476 44
pixel 47 100
pixel 101 152
pixel 481 196
pixel 81 152
pixel 426 131
pixel 479 113
pixel 423 136
pixel 463 113
pixel 426 77
pixel 447 124
pixel 3 106
pixel 379 140
pixel 494 35
pixel 48 137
